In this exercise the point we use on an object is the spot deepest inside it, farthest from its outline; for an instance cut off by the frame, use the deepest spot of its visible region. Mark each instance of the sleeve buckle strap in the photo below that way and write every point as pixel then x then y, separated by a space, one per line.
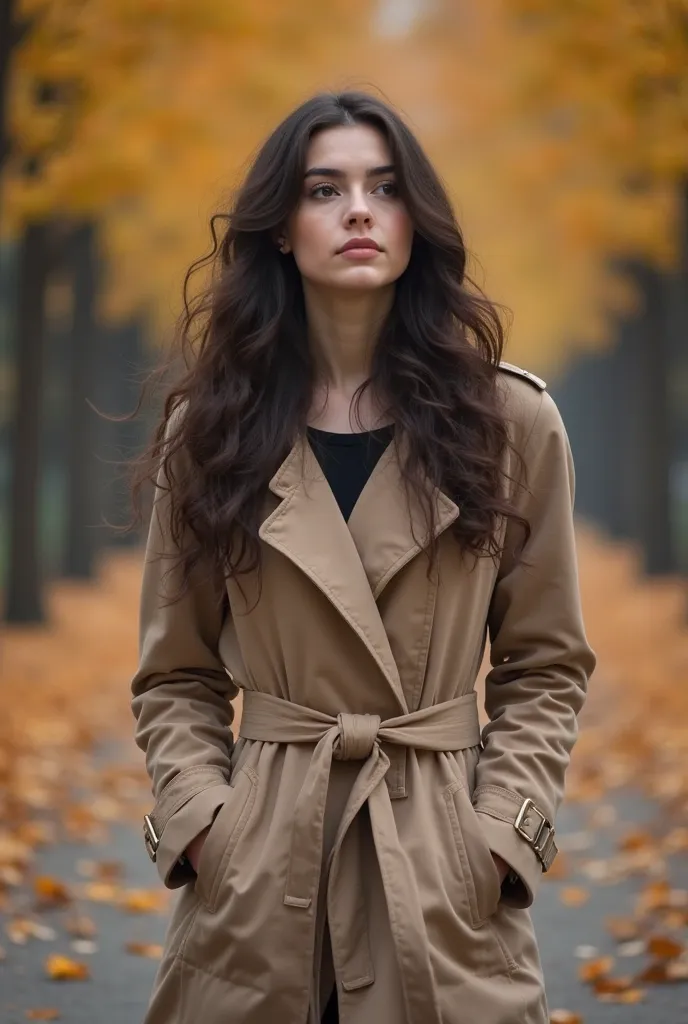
pixel 150 837
pixel 542 839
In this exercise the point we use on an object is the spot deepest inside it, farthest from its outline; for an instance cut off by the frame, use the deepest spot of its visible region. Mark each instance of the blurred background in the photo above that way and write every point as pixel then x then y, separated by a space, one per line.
pixel 561 131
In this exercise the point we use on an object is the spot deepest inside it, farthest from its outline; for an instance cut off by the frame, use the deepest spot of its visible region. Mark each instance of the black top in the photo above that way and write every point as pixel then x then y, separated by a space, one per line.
pixel 347 460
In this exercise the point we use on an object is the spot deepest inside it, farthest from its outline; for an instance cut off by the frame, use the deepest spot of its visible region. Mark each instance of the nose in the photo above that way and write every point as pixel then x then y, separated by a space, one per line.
pixel 359 213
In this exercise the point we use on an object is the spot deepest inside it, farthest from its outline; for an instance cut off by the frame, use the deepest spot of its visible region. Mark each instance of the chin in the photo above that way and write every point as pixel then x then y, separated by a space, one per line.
pixel 365 278
pixel 358 279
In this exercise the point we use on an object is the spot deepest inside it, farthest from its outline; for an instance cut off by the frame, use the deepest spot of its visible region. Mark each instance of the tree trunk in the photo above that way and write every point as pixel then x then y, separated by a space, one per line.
pixel 615 428
pixel 655 494
pixel 24 584
pixel 119 395
pixel 677 326
pixel 582 398
pixel 83 526
pixel 630 409
pixel 617 409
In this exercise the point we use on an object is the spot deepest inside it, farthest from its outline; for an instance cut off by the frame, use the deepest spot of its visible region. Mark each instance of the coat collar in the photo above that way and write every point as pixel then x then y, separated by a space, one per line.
pixel 351 562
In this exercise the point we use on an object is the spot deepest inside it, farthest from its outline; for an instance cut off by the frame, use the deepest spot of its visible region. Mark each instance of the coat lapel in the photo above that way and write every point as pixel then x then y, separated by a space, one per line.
pixel 389 530
pixel 308 527
pixel 352 562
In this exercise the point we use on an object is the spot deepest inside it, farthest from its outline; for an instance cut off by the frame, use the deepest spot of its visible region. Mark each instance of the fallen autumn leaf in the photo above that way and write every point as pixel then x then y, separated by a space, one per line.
pixel 148 949
pixel 63 968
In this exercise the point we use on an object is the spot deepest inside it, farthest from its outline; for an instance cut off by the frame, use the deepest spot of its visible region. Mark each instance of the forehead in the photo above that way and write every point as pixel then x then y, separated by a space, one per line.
pixel 349 148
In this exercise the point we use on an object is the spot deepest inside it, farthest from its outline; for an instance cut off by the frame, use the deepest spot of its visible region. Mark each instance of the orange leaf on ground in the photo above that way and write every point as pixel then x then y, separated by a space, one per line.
pixel 101 892
pixel 655 896
pixel 623 929
pixel 611 986
pixel 574 896
pixel 630 996
pixel 654 974
pixel 143 901
pixel 663 972
pixel 51 892
pixel 62 968
pixel 595 969
pixel 148 949
pixel 45 1013
pixel 636 840
pixel 564 1017
pixel 663 948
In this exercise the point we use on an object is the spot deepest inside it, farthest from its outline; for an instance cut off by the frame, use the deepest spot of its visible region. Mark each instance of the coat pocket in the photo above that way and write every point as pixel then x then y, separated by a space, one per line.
pixel 224 834
pixel 478 869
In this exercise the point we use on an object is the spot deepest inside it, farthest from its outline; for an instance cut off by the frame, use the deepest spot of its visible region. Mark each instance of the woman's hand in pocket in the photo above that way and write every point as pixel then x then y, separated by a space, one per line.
pixel 193 850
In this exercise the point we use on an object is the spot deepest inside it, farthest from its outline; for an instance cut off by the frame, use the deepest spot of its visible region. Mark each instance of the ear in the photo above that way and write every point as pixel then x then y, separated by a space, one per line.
pixel 281 241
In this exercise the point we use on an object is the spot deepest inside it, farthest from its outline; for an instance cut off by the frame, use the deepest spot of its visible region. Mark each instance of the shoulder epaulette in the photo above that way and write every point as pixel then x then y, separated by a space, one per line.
pixel 537 382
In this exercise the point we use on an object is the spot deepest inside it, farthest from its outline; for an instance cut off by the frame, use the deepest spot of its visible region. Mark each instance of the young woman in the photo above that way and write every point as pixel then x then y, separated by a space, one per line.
pixel 353 494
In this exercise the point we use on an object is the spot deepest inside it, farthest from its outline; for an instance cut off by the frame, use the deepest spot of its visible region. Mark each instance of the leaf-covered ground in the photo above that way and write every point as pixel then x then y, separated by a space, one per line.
pixel 82 913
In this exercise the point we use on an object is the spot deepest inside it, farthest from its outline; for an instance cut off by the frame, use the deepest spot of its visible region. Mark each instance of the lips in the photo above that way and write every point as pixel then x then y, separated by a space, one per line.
pixel 360 243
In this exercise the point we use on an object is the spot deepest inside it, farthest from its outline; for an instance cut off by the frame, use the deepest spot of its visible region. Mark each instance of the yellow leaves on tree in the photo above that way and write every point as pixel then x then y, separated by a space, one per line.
pixel 610 83
pixel 567 132
pixel 152 107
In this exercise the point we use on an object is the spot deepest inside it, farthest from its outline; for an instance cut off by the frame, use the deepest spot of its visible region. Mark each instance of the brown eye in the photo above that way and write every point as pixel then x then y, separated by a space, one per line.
pixel 390 188
pixel 324 191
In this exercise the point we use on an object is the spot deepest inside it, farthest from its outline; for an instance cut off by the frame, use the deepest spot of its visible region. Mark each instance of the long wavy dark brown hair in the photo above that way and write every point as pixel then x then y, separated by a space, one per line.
pixel 249 378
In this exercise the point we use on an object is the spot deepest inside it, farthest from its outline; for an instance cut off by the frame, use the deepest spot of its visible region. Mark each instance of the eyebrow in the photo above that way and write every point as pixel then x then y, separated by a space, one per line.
pixel 333 172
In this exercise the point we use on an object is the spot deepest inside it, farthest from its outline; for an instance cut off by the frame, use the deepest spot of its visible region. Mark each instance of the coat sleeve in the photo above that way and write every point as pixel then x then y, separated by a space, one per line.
pixel 181 694
pixel 540 658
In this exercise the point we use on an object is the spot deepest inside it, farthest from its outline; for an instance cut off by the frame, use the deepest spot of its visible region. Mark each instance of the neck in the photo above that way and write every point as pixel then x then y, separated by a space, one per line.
pixel 343 330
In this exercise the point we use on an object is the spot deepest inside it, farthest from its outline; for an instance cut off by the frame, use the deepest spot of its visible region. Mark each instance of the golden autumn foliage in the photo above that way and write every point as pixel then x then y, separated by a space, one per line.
pixel 577 116
pixel 560 129
pixel 154 107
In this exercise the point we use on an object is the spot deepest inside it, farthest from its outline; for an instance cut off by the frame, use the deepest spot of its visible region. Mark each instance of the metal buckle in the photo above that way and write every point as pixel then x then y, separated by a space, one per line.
pixel 150 838
pixel 545 849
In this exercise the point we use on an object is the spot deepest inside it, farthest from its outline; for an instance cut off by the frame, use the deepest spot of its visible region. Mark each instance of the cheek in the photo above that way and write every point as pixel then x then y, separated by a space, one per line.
pixel 400 234
pixel 310 237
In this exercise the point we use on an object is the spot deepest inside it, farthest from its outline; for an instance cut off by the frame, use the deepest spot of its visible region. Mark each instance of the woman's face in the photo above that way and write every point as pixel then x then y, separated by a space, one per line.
pixel 349 198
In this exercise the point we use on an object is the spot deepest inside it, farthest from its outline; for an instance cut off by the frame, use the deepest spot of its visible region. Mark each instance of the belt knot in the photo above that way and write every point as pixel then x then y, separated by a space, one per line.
pixel 357 736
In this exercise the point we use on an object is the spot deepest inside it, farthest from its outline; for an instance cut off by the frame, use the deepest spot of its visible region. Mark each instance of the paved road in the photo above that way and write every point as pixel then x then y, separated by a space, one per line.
pixel 118 989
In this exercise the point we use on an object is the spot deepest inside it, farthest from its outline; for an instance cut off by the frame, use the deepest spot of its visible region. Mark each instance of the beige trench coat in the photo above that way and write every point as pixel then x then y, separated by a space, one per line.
pixel 361 794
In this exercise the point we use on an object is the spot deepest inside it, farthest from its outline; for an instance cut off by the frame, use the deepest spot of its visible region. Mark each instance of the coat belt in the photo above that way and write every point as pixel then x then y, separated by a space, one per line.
pixel 450 726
